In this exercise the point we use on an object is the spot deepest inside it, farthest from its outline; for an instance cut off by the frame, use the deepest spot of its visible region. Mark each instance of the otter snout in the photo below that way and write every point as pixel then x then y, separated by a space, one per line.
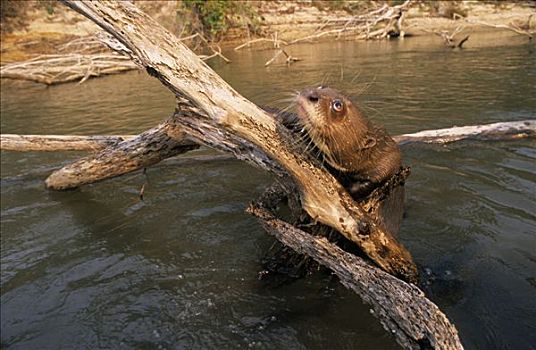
pixel 312 95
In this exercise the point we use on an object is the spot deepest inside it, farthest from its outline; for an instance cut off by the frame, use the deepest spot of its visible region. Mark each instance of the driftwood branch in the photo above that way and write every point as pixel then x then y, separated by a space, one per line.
pixel 377 24
pixel 211 111
pixel 56 69
pixel 523 29
pixel 29 143
pixel 494 131
pixel 81 59
pixel 403 310
pixel 164 141
pixel 448 38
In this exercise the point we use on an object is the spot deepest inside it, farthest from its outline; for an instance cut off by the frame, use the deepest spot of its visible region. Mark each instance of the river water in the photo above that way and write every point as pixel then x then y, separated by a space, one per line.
pixel 98 268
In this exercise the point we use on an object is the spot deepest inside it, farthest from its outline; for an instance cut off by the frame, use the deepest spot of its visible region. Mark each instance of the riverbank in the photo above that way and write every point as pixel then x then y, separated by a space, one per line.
pixel 42 29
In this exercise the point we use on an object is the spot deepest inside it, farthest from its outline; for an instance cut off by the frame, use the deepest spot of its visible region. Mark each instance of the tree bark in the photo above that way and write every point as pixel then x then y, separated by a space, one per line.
pixel 29 143
pixel 403 310
pixel 214 113
pixel 148 148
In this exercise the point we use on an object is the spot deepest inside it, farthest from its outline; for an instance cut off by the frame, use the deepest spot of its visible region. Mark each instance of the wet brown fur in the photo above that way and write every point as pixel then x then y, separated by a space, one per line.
pixel 361 153
pixel 361 156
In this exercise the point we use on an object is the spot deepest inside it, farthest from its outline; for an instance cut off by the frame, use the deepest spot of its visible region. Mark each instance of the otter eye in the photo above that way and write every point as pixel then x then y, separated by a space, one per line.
pixel 337 105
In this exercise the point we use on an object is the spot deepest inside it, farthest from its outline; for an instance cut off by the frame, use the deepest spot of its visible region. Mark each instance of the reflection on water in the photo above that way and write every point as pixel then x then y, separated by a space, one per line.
pixel 97 268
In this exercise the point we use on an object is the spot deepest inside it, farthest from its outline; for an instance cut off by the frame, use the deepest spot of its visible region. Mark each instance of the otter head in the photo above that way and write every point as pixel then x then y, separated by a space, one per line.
pixel 335 125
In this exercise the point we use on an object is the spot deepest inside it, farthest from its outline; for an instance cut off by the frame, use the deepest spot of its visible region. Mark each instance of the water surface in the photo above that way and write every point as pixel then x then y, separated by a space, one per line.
pixel 98 268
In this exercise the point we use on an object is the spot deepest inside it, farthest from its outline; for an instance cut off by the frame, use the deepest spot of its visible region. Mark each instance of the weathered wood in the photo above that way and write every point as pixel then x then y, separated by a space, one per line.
pixel 148 148
pixel 63 68
pixel 81 59
pixel 495 131
pixel 214 113
pixel 282 264
pixel 524 29
pixel 365 26
pixel 402 308
pixel 30 143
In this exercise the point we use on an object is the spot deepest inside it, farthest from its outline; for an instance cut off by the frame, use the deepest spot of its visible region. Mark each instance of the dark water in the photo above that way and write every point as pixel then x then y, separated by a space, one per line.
pixel 98 268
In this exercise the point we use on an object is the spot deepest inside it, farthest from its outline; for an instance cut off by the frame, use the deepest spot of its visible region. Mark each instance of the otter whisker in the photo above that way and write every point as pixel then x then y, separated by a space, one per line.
pixel 366 86
pixel 325 80
pixel 357 75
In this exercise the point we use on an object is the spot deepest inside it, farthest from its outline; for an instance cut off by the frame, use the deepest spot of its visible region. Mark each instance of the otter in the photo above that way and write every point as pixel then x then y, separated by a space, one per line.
pixel 349 142
pixel 358 152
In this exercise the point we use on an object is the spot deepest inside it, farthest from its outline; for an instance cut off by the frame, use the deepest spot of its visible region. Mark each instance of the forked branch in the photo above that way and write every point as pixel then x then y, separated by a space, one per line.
pixel 216 115
pixel 403 310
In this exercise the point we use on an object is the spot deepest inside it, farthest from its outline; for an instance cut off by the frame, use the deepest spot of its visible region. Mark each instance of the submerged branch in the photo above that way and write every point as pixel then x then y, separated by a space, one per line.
pixel 403 310
pixel 161 142
pixel 494 131
pixel 31 143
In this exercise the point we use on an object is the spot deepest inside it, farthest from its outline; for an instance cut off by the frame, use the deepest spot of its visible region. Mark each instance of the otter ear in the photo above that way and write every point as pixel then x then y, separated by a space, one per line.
pixel 369 142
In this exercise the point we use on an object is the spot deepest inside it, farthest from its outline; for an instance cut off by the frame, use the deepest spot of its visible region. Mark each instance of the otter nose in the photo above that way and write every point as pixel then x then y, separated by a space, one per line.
pixel 312 96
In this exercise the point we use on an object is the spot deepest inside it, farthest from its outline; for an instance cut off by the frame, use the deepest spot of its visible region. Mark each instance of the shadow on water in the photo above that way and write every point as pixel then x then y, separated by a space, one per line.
pixel 98 268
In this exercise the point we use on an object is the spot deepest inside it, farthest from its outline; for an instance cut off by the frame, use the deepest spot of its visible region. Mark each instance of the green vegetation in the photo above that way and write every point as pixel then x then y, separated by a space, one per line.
pixel 218 16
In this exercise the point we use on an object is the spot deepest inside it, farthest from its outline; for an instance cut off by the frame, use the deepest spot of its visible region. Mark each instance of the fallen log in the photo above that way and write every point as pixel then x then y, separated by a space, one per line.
pixel 483 132
pixel 403 310
pixel 63 68
pixel 32 143
pixel 216 115
pixel 81 59
pixel 494 131
pixel 146 149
